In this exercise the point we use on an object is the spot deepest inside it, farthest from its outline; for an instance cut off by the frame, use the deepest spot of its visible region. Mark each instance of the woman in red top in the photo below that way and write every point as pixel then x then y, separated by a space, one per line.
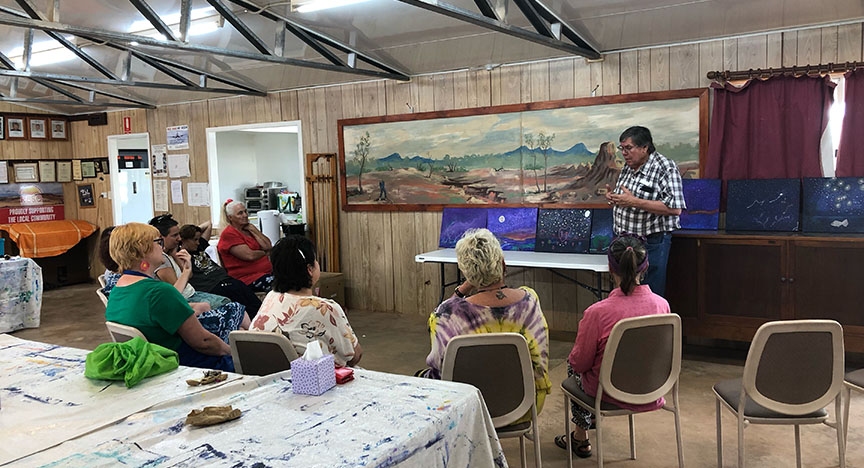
pixel 628 261
pixel 243 249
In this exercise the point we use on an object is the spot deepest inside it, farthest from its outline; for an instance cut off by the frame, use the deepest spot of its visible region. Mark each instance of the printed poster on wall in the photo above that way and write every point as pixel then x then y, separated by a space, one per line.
pixel 177 192
pixel 178 166
pixel 178 137
pixel 160 195
pixel 160 161
pixel 4 172
pixel 30 203
pixel 199 193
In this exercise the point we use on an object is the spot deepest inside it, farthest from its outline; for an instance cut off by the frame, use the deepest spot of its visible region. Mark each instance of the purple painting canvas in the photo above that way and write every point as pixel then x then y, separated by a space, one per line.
pixel 763 205
pixel 702 197
pixel 455 221
pixel 833 205
pixel 601 231
pixel 564 231
pixel 515 228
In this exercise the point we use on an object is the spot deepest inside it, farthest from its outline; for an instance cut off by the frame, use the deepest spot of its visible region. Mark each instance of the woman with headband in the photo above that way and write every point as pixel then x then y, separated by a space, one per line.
pixel 628 261
pixel 293 309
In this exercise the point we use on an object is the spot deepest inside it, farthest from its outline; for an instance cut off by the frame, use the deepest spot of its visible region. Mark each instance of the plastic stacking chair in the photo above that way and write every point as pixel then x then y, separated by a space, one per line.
pixel 854 381
pixel 641 363
pixel 507 386
pixel 793 370
pixel 122 333
pixel 260 353
pixel 102 281
pixel 102 296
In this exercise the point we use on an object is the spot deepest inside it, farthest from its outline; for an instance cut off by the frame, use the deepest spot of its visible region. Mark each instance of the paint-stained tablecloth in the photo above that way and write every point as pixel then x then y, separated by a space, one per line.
pixel 20 294
pixel 377 420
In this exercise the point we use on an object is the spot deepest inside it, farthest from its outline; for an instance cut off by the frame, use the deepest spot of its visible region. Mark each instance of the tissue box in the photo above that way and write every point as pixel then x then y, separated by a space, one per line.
pixel 313 377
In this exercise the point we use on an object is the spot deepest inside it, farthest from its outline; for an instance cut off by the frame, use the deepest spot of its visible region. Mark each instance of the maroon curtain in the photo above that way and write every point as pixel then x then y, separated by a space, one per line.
pixel 768 129
pixel 850 155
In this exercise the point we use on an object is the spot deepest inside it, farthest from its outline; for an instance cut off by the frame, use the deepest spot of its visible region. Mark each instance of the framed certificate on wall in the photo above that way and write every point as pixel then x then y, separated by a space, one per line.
pixel 64 171
pixel 26 172
pixel 47 171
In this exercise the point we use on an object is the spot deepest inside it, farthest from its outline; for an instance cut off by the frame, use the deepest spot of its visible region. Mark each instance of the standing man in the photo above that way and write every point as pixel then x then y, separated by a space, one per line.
pixel 647 200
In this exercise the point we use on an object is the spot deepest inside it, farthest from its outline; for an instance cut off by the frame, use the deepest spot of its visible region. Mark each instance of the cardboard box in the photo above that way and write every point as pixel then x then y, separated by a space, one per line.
pixel 331 286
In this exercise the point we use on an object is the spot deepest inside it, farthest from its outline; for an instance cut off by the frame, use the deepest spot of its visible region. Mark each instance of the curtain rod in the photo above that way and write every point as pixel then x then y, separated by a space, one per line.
pixel 810 70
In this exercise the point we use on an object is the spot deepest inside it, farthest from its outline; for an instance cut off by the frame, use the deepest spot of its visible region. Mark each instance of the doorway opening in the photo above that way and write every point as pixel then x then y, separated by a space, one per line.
pixel 131 189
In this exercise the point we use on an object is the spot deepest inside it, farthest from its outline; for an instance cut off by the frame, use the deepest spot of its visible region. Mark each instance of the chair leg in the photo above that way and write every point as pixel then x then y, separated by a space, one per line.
pixel 741 439
pixel 847 397
pixel 841 428
pixel 678 427
pixel 567 428
pixel 535 423
pixel 598 422
pixel 632 438
pixel 798 446
pixel 719 437
pixel 522 451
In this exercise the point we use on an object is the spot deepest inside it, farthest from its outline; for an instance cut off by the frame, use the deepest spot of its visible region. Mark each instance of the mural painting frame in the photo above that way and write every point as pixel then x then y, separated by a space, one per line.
pixel 700 93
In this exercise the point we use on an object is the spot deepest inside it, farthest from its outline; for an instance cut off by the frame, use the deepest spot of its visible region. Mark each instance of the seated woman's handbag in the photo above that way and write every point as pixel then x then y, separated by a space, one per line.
pixel 132 361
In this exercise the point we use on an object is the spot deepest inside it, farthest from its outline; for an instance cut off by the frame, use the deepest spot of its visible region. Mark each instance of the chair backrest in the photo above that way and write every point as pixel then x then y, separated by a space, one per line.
pixel 795 367
pixel 499 365
pixel 642 359
pixel 102 281
pixel 102 296
pixel 261 353
pixel 122 333
pixel 213 254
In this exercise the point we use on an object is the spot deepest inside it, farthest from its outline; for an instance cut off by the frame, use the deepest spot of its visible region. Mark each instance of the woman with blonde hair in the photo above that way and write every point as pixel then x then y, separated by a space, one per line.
pixel 485 304
pixel 243 248
pixel 156 308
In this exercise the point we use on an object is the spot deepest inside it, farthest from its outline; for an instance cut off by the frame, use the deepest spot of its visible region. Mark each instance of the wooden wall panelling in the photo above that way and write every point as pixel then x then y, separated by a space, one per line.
pixel 849 43
pixel 730 54
pixel 809 47
pixel 506 85
pixel 581 77
pixel 595 75
pixel 611 68
pixel 684 66
pixel 774 51
pixel 356 271
pixel 790 48
pixel 199 120
pixel 710 59
pixel 479 88
pixel 829 45
pixel 644 70
pixel 752 52
pixel 629 72
pixel 538 78
pixel 561 84
pixel 660 69
pixel 288 105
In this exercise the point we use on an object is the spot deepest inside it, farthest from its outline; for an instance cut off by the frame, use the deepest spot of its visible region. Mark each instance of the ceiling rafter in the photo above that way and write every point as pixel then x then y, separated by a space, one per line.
pixel 144 8
pixel 505 28
pixel 240 26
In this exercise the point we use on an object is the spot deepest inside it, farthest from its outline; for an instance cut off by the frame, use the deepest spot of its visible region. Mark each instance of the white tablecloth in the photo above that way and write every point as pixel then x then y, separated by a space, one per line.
pixel 20 294
pixel 377 420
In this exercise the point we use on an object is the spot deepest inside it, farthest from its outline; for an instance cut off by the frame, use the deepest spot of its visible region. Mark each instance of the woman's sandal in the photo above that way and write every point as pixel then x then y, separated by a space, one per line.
pixel 582 448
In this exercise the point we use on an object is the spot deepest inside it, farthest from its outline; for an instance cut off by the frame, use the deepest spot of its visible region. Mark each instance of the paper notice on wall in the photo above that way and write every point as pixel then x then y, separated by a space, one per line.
pixel 160 162
pixel 177 192
pixel 178 165
pixel 160 195
pixel 178 137
pixel 4 173
pixel 198 193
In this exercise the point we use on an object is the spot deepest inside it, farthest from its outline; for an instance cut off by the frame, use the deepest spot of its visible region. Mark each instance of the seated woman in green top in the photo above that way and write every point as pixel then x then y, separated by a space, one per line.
pixel 156 308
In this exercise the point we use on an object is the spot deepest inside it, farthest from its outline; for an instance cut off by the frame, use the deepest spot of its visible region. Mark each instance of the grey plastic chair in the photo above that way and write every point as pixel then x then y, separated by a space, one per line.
pixel 260 352
pixel 102 281
pixel 641 363
pixel 793 370
pixel 499 365
pixel 102 296
pixel 854 381
pixel 122 333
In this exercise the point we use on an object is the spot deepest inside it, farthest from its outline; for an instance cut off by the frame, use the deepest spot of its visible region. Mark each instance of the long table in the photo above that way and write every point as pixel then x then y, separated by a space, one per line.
pixel 596 263
pixel 377 420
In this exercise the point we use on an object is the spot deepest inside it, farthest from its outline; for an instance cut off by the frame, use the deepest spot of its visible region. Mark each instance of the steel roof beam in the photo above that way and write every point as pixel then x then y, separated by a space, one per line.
pixel 499 26
pixel 487 9
pixel 153 18
pixel 108 94
pixel 7 63
pixel 566 28
pixel 197 71
pixel 194 48
pixel 240 26
pixel 74 103
pixel 185 19
pixel 534 18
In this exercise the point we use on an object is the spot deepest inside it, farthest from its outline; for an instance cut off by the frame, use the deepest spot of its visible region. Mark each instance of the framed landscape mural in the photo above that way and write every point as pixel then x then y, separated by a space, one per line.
pixel 553 154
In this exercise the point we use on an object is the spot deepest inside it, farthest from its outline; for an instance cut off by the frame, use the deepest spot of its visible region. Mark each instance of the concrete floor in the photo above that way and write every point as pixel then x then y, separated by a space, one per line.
pixel 74 316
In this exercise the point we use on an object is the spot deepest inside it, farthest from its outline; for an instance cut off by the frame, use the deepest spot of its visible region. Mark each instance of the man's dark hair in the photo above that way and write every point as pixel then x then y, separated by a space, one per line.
pixel 104 250
pixel 291 258
pixel 640 136
pixel 163 223
pixel 188 231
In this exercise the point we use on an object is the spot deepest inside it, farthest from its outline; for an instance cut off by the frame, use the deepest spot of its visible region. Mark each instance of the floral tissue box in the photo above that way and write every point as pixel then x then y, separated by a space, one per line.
pixel 313 377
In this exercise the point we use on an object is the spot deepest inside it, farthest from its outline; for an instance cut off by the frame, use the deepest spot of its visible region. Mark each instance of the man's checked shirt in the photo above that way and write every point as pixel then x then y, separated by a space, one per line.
pixel 657 179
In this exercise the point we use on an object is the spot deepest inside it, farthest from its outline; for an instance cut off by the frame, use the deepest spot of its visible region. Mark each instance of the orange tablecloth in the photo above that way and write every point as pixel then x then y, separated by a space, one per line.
pixel 48 238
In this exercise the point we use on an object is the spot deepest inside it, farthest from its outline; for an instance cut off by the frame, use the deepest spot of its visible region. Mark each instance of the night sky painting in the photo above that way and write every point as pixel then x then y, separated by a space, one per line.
pixel 455 221
pixel 833 205
pixel 702 197
pixel 763 205
pixel 564 231
pixel 515 228
pixel 601 231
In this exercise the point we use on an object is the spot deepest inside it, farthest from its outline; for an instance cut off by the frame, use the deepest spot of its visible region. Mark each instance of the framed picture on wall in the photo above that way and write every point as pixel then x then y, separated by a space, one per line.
pixel 88 168
pixel 64 171
pixel 2 127
pixel 58 129
pixel 26 172
pixel 85 196
pixel 15 128
pixel 37 128
pixel 47 171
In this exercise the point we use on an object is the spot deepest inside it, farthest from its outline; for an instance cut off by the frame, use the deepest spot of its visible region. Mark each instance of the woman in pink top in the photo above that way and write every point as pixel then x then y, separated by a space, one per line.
pixel 628 261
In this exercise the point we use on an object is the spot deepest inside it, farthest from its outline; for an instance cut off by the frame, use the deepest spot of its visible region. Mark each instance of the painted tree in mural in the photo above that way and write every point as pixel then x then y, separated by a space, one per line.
pixel 529 143
pixel 361 155
pixel 544 142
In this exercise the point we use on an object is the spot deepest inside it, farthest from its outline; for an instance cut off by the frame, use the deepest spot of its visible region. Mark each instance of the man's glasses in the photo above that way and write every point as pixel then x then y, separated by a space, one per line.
pixel 627 148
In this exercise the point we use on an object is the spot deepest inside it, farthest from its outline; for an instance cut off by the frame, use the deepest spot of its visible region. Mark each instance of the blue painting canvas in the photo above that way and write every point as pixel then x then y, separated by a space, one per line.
pixel 564 231
pixel 601 231
pixel 702 197
pixel 515 228
pixel 833 205
pixel 763 205
pixel 455 221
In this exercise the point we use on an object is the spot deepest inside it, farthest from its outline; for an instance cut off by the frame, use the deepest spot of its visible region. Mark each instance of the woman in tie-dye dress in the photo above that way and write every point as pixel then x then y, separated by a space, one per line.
pixel 484 304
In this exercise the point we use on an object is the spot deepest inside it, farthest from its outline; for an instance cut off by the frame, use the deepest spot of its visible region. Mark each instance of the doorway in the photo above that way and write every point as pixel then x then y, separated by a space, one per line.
pixel 131 189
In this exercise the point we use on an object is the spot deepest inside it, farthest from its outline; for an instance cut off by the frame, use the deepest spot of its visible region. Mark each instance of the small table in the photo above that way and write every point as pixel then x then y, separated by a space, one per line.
pixel 550 261
pixel 20 294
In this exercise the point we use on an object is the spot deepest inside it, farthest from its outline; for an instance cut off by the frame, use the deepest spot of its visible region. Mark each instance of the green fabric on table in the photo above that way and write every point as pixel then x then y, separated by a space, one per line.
pixel 131 361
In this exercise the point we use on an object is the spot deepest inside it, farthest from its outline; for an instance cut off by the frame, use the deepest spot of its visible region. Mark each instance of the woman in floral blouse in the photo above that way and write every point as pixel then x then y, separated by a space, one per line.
pixel 293 309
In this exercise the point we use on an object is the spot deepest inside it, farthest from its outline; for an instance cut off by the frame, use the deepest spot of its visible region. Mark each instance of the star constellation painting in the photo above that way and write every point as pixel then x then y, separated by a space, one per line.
pixel 564 231
pixel 601 231
pixel 833 205
pixel 515 228
pixel 455 221
pixel 702 197
pixel 763 205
